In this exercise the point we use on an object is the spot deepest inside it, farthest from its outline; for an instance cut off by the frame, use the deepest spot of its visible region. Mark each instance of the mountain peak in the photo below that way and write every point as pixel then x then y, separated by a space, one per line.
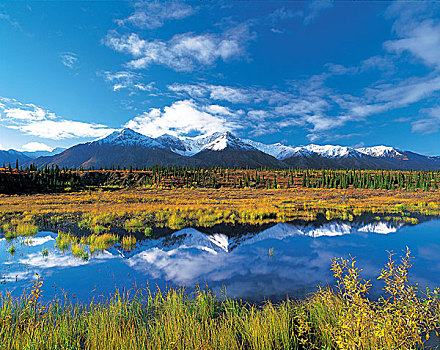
pixel 227 140
pixel 128 137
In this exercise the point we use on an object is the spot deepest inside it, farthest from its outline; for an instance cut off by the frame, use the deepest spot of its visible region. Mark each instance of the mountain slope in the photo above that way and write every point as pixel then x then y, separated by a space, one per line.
pixel 125 148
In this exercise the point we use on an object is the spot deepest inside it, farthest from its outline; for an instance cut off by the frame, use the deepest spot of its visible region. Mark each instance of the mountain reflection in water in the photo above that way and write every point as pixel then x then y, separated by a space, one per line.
pixel 240 264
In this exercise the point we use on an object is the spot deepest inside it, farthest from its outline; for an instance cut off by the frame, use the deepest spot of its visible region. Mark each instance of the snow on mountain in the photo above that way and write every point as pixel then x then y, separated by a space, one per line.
pixel 227 140
pixel 172 142
pixel 380 227
pixel 282 152
pixel 128 137
pixel 333 229
pixel 283 230
pixel 193 145
pixel 191 238
pixel 175 147
pixel 380 151
pixel 277 150
pixel 214 142
pixel 331 151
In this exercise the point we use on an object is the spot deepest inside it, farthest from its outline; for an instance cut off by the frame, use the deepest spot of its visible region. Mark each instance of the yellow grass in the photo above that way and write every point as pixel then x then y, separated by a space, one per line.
pixel 137 210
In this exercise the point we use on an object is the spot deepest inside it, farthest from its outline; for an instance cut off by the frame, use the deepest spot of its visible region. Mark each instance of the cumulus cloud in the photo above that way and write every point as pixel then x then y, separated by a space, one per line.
pixel 185 117
pixel 36 146
pixel 69 59
pixel 183 52
pixel 33 120
pixel 126 80
pixel 153 14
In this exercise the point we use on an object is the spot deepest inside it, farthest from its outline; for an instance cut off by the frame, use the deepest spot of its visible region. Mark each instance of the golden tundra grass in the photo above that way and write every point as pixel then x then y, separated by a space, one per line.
pixel 343 318
pixel 137 210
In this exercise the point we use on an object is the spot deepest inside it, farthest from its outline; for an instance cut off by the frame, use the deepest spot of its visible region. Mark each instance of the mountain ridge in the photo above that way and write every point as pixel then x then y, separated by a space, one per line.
pixel 130 148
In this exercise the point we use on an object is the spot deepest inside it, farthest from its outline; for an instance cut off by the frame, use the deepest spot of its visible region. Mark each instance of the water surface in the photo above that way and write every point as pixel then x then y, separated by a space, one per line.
pixel 253 263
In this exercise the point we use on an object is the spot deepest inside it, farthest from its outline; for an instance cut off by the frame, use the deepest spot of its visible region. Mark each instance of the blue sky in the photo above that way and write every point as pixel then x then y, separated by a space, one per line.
pixel 348 73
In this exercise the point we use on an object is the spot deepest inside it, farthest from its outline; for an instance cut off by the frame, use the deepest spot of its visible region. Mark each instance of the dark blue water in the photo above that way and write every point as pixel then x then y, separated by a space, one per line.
pixel 243 265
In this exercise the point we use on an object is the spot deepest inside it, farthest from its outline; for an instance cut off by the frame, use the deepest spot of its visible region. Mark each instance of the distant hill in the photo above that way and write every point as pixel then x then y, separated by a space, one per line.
pixel 11 156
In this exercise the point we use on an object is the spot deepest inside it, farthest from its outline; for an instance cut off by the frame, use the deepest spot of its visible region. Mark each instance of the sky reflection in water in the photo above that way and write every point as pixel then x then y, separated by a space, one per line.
pixel 240 264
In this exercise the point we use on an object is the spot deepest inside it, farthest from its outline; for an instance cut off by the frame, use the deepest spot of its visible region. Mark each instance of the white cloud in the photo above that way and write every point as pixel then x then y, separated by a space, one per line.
pixel 153 14
pixel 282 14
pixel 4 16
pixel 185 117
pixel 311 11
pixel 36 146
pixel 422 41
pixel 428 124
pixel 315 8
pixel 230 94
pixel 63 129
pixel 386 97
pixel 183 52
pixel 69 59
pixel 126 80
pixel 417 28
pixel 33 120
pixel 308 107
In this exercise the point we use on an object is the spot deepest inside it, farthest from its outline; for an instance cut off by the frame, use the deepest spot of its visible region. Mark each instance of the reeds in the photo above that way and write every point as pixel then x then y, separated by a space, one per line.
pixel 79 250
pixel 128 242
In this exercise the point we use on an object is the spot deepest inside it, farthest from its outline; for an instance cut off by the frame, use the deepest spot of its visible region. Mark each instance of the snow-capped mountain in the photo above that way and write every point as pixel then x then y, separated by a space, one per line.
pixel 123 148
pixel 330 151
pixel 380 151
pixel 229 151
pixel 281 152
pixel 127 147
pixel 128 137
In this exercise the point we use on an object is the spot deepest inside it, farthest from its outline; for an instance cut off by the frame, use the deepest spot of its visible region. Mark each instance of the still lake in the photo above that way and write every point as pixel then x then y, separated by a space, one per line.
pixel 253 263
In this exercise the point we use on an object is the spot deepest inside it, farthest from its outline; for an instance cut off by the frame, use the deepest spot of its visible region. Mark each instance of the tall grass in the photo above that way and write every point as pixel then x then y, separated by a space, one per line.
pixel 341 319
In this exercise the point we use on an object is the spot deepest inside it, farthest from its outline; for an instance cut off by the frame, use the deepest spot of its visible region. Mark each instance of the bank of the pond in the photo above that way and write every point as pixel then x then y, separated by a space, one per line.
pixel 340 319
pixel 137 211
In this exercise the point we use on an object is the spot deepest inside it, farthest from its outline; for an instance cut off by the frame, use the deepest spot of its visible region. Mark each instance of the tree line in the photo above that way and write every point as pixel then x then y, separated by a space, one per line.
pixel 54 179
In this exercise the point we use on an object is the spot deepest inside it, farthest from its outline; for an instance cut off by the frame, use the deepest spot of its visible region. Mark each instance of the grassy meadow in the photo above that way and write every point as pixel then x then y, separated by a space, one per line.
pixel 138 210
